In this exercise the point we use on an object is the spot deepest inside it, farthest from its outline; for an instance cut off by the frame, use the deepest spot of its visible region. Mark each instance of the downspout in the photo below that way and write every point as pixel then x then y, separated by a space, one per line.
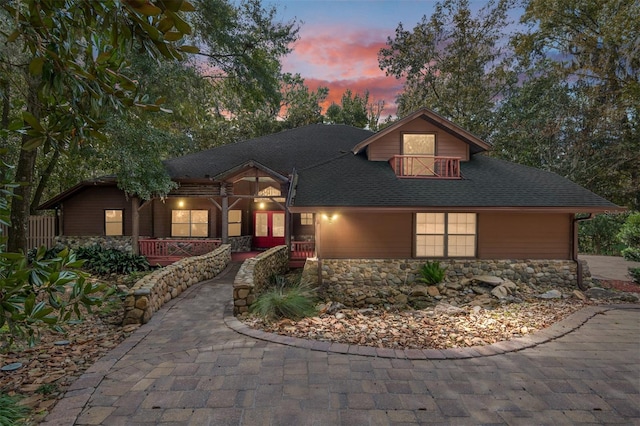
pixel 574 248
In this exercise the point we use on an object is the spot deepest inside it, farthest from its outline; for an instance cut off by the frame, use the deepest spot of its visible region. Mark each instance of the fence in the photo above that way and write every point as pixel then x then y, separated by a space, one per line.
pixel 42 231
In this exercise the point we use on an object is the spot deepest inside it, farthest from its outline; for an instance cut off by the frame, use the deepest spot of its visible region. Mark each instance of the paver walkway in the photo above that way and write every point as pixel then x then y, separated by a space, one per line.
pixel 187 367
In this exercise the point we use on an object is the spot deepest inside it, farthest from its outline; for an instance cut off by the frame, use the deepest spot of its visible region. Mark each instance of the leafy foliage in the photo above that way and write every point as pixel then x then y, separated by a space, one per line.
pixel 432 273
pixel 286 299
pixel 11 412
pixel 600 234
pixel 102 261
pixel 630 236
pixel 635 274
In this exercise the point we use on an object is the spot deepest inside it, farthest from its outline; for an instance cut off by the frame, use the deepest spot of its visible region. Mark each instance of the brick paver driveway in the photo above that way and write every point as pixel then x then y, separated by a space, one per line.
pixel 187 367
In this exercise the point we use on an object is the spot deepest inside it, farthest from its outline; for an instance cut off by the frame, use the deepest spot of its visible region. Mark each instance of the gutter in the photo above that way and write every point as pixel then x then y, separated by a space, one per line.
pixel 574 249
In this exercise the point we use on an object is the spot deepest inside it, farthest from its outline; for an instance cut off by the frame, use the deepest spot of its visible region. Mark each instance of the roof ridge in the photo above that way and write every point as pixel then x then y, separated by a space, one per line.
pixel 325 161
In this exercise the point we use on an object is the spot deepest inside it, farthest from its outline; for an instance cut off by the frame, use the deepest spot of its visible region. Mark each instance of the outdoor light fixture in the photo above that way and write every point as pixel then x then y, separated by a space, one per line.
pixel 330 218
pixel 181 203
pixel 261 206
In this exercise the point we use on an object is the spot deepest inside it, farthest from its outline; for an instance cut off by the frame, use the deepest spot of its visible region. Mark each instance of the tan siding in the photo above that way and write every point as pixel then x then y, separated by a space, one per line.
pixel 524 236
pixel 447 145
pixel 367 235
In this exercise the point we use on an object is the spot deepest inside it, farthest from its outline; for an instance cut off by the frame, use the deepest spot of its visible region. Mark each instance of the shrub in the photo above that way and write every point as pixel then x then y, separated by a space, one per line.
pixel 11 412
pixel 104 261
pixel 432 273
pixel 630 235
pixel 285 299
pixel 635 274
pixel 599 235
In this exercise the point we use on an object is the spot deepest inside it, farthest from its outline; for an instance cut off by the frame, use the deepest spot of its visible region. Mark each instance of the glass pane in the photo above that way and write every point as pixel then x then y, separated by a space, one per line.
pixel 419 144
pixel 278 224
pixel 262 227
pixel 179 216
pixel 461 245
pixel 430 246
pixel 180 230
pixel 113 215
pixel 199 216
pixel 199 230
pixel 235 229
pixel 429 223
pixel 462 223
pixel 306 218
pixel 113 228
pixel 235 216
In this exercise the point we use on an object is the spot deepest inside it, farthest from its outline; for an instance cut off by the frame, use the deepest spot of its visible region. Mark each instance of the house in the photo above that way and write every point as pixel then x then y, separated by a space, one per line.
pixel 420 189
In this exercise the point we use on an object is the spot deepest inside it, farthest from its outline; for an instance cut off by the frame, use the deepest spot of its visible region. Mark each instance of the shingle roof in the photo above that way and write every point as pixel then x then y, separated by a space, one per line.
pixel 352 181
pixel 281 152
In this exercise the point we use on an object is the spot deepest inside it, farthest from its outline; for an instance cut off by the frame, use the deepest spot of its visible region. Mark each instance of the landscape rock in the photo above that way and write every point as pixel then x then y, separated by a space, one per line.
pixel 551 294
pixel 445 308
pixel 489 279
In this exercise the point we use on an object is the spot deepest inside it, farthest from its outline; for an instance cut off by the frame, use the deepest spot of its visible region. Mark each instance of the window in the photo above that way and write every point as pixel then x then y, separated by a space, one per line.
pixel 306 218
pixel 113 224
pixel 235 223
pixel 445 234
pixel 419 145
pixel 189 223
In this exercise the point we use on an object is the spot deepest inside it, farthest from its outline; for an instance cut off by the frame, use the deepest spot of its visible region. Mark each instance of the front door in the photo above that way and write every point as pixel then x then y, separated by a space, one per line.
pixel 268 229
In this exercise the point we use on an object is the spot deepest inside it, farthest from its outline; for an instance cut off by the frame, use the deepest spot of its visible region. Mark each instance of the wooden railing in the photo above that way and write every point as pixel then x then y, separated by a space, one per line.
pixel 165 252
pixel 301 250
pixel 425 166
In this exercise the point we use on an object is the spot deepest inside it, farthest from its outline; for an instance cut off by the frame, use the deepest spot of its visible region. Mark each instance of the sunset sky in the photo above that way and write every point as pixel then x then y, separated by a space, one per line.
pixel 340 40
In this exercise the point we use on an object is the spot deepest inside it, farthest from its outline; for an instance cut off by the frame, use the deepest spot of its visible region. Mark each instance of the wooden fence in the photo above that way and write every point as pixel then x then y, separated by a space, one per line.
pixel 42 230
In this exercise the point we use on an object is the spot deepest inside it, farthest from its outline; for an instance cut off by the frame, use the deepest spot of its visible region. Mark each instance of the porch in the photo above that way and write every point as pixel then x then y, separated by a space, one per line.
pixel 164 252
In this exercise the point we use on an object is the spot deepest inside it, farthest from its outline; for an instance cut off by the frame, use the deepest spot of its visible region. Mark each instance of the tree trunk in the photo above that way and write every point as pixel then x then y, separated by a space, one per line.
pixel 20 204
pixel 44 180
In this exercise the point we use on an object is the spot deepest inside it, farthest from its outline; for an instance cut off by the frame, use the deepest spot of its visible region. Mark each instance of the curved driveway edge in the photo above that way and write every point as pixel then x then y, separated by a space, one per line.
pixel 558 329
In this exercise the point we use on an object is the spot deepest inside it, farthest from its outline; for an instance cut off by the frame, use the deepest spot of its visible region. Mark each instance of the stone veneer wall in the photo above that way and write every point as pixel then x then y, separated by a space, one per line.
pixel 362 278
pixel 254 275
pixel 122 243
pixel 241 244
pixel 157 288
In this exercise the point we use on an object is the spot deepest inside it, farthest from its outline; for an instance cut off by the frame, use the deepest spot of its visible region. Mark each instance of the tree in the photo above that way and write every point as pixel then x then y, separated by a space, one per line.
pixel 592 46
pixel 74 70
pixel 453 63
pixel 300 106
pixel 352 111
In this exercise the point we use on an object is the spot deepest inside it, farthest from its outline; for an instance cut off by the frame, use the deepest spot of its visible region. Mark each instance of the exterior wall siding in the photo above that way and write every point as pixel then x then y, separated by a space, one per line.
pixel 447 145
pixel 83 214
pixel 524 236
pixel 366 235
pixel 162 214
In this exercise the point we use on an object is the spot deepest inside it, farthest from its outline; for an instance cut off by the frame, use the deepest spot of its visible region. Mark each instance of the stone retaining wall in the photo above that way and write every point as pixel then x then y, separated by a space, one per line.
pixel 157 288
pixel 354 281
pixel 122 243
pixel 254 275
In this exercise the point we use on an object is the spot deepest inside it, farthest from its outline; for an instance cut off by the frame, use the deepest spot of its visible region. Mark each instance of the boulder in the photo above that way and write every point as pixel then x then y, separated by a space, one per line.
pixel 489 279
pixel 551 294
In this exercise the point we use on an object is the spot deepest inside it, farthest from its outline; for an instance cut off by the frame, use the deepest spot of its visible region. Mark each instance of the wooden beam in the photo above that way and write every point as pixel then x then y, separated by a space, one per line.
pixel 135 228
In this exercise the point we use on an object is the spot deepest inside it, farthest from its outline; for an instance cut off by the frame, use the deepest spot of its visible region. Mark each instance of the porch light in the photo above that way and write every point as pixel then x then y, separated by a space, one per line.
pixel 329 218
pixel 181 203
pixel 261 206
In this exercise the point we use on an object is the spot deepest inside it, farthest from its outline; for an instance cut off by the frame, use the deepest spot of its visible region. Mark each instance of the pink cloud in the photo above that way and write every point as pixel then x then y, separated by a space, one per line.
pixel 343 58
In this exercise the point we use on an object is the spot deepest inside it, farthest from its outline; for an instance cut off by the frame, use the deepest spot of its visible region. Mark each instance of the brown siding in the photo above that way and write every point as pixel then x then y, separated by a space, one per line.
pixel 367 235
pixel 447 145
pixel 83 214
pixel 524 236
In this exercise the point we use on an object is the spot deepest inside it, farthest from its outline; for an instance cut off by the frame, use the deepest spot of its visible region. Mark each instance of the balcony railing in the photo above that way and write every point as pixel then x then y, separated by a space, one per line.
pixel 425 166
pixel 164 252
pixel 301 250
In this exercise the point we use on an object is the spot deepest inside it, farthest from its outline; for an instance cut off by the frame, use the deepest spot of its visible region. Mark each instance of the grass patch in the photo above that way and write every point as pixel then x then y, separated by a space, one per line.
pixel 286 299
pixel 11 412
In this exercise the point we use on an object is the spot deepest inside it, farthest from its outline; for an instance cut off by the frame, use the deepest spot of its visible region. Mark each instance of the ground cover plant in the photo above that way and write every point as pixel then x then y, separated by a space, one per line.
pixel 285 298
pixel 432 273
pixel 103 261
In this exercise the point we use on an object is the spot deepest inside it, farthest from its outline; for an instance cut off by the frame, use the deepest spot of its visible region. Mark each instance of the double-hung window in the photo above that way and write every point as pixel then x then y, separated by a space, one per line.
pixel 189 223
pixel 113 222
pixel 445 234
pixel 235 223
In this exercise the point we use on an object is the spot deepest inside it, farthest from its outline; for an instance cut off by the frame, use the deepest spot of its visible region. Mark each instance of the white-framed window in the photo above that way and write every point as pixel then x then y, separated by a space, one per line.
pixel 235 223
pixel 114 222
pixel 189 223
pixel 446 234
pixel 306 218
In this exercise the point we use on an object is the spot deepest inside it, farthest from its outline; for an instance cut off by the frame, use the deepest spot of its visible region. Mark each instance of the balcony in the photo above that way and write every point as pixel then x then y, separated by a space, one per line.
pixel 425 166
pixel 165 252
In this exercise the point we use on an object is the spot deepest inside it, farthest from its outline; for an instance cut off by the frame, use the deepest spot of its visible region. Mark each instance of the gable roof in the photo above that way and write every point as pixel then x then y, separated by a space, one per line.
pixel 476 144
pixel 280 152
pixel 102 181
pixel 352 181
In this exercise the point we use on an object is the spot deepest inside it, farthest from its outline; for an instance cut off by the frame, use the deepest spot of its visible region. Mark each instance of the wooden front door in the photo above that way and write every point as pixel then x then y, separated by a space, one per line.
pixel 268 229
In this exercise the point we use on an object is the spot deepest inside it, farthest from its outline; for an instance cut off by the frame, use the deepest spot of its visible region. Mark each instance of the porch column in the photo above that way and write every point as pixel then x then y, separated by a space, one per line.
pixel 135 225
pixel 225 219
pixel 287 229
